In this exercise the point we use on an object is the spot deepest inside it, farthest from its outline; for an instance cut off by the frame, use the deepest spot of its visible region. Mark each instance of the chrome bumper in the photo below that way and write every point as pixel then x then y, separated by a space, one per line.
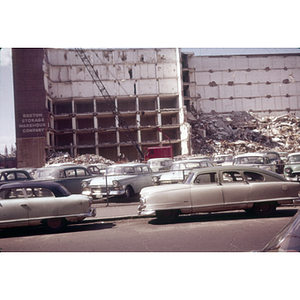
pixel 144 212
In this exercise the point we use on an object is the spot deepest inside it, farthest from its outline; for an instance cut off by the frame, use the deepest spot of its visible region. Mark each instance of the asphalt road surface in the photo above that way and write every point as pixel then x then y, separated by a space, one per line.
pixel 233 231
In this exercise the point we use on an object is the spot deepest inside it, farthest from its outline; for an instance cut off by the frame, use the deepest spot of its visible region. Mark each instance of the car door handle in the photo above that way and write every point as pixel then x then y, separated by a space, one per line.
pixel 23 205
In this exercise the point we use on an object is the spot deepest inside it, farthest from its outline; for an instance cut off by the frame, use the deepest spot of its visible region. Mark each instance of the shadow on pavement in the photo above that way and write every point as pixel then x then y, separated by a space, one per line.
pixel 225 216
pixel 40 230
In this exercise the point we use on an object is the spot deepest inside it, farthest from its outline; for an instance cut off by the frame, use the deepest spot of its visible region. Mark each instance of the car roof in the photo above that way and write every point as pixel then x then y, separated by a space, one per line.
pixel 160 158
pixel 296 153
pixel 191 160
pixel 239 168
pixel 13 170
pixel 250 154
pixel 55 187
pixel 128 165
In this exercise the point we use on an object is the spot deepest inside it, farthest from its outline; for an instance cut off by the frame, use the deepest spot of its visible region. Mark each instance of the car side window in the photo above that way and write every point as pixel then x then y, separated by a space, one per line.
pixel 251 176
pixel 71 173
pixel 145 169
pixel 80 172
pixel 21 175
pixel 138 169
pixel 10 176
pixel 129 170
pixel 206 178
pixel 232 177
pixel 13 194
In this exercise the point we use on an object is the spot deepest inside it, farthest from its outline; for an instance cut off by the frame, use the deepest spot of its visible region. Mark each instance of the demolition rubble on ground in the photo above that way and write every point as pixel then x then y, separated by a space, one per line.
pixel 85 159
pixel 241 132
pixel 231 133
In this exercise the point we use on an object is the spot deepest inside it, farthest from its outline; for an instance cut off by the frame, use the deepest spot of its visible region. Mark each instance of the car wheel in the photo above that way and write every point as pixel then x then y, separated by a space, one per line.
pixel 167 216
pixel 264 209
pixel 129 192
pixel 55 225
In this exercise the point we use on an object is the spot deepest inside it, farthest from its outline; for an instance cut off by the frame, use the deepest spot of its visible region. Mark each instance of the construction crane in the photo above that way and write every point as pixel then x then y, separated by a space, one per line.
pixel 110 102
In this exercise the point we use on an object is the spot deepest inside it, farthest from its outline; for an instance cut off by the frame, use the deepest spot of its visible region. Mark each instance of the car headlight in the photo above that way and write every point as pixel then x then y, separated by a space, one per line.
pixel 84 184
pixel 155 179
pixel 115 183
pixel 288 170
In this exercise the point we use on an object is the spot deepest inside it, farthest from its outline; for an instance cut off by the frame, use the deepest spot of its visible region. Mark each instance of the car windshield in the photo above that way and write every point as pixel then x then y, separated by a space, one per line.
pixel 249 160
pixel 294 158
pixel 49 173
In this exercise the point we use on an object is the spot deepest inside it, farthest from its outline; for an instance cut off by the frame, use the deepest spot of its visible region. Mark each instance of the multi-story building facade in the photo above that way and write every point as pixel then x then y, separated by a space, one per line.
pixel 145 85
pixel 265 83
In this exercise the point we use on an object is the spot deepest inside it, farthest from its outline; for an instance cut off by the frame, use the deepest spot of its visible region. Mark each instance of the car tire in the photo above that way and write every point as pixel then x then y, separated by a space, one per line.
pixel 55 225
pixel 264 209
pixel 167 216
pixel 129 192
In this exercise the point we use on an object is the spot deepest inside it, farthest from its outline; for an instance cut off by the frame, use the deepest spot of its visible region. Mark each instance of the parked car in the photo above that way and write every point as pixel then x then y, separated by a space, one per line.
pixel 33 203
pixel 254 160
pixel 288 239
pixel 292 167
pixel 223 159
pixel 283 156
pixel 181 168
pixel 275 159
pixel 120 179
pixel 9 175
pixel 70 176
pixel 159 166
pixel 97 169
pixel 220 188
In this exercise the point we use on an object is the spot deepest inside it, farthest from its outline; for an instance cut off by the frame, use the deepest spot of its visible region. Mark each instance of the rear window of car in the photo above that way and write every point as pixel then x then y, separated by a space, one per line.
pixel 252 176
pixel 39 192
pixel 16 193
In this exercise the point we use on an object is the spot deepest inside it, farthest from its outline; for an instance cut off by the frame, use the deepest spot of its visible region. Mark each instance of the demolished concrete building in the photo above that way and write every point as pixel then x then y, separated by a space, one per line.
pixel 164 95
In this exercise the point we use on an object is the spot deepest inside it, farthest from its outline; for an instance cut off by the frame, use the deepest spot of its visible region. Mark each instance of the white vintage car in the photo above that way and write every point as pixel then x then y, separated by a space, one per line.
pixel 220 188
pixel 33 203
pixel 120 179
pixel 180 169
pixel 259 160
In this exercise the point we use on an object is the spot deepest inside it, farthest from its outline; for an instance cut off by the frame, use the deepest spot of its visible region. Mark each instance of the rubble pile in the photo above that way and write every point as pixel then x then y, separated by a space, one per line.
pixel 60 157
pixel 241 132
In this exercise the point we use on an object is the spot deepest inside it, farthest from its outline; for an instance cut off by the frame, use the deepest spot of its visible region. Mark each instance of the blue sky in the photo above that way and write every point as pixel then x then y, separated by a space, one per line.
pixel 7 123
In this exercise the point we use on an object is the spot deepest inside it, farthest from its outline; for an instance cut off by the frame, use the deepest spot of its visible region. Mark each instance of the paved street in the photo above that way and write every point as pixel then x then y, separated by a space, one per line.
pixel 220 232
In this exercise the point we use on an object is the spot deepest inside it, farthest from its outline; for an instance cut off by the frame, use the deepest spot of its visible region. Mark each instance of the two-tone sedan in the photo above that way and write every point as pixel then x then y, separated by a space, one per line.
pixel 215 189
pixel 69 175
pixel 33 203
pixel 120 179
pixel 292 167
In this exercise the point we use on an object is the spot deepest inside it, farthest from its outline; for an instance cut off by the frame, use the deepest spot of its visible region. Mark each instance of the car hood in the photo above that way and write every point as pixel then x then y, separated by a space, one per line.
pixel 288 238
pixel 163 188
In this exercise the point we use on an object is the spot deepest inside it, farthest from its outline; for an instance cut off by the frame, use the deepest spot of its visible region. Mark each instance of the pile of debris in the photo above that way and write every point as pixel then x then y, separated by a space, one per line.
pixel 85 159
pixel 241 132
